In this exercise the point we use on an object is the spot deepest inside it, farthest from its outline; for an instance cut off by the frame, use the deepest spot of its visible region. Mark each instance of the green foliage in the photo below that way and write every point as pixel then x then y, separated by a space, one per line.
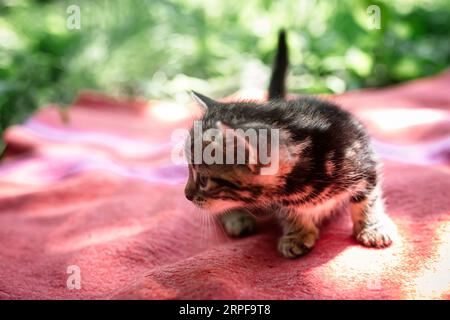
pixel 162 49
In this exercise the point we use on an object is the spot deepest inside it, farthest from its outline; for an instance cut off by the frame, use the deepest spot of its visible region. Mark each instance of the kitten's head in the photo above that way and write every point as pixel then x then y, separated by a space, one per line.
pixel 216 184
pixel 218 188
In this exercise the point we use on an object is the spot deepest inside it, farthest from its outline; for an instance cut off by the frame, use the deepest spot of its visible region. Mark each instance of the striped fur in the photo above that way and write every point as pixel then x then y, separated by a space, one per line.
pixel 326 162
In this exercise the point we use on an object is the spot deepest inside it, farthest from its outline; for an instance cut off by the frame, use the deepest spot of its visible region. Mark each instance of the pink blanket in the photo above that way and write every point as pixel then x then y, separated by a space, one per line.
pixel 99 199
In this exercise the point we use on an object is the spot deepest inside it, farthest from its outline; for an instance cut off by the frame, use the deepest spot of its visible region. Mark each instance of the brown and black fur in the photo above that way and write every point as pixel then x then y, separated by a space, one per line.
pixel 330 164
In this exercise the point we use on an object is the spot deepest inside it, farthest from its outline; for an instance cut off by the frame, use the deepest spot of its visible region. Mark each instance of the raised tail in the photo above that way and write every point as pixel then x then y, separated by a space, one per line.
pixel 277 88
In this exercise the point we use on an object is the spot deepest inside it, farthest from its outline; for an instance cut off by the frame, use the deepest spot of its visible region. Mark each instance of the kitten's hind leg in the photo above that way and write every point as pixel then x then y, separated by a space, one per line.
pixel 372 227
pixel 238 223
pixel 299 236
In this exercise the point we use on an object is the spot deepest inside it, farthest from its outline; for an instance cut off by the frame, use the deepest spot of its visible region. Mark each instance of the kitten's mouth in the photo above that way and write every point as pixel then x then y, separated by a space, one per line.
pixel 217 206
pixel 200 204
pixel 205 205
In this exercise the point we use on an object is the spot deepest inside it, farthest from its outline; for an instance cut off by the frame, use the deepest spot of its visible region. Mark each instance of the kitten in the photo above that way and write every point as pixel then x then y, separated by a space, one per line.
pixel 325 162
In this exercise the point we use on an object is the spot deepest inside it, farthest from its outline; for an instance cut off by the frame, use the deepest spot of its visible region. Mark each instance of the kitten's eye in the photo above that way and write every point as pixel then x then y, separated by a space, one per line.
pixel 224 183
pixel 202 180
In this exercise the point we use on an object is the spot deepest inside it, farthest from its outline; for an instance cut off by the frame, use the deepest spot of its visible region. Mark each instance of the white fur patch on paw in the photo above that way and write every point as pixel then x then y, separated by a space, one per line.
pixel 238 225
pixel 293 246
pixel 379 236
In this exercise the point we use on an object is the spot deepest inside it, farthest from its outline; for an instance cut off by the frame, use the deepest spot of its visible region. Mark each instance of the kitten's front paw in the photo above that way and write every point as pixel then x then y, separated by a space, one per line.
pixel 238 223
pixel 379 236
pixel 296 245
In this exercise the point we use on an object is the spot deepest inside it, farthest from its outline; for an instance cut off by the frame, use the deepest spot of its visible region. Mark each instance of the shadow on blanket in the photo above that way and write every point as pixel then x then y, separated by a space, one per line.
pixel 100 193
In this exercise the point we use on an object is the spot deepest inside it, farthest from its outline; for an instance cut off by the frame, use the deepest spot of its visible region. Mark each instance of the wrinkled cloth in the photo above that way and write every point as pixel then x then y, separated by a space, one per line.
pixel 101 192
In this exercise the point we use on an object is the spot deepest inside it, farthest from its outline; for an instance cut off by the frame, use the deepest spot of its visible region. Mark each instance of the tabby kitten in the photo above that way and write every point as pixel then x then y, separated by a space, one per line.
pixel 325 162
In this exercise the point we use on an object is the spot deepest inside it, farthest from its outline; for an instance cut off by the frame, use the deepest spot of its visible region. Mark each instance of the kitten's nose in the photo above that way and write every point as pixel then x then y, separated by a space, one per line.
pixel 190 191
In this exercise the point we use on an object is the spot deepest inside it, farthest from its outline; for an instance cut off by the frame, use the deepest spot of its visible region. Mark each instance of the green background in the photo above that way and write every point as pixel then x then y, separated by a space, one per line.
pixel 161 49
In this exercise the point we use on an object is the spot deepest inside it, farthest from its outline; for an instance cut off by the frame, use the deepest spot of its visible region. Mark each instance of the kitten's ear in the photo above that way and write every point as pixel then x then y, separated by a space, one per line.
pixel 252 150
pixel 202 100
pixel 222 126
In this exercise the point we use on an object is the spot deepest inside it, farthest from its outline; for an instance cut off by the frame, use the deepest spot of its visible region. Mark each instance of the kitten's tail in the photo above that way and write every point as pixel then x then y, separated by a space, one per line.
pixel 277 88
